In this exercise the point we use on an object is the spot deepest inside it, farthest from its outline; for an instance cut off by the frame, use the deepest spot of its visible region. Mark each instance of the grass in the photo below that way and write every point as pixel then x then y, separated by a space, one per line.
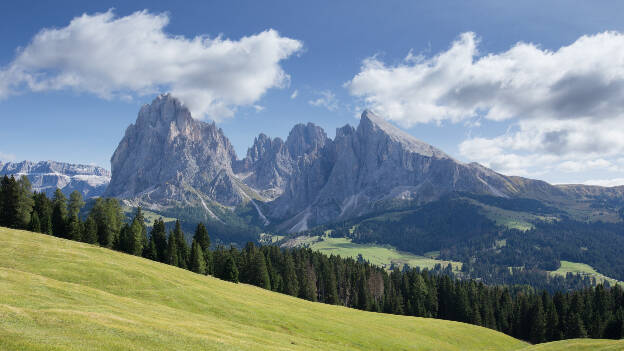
pixel 583 269
pixel 383 256
pixel 57 294
pixel 149 216
pixel 579 345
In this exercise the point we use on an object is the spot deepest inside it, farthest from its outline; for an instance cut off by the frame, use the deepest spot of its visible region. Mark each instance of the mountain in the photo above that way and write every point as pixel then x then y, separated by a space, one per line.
pixel 169 161
pixel 46 176
pixel 373 165
pixel 271 164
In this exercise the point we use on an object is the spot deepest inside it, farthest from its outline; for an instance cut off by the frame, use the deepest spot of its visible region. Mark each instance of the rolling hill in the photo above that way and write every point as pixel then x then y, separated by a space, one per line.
pixel 62 295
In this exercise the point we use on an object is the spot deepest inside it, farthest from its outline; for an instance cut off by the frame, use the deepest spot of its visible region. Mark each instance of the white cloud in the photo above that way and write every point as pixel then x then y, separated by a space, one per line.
pixel 584 79
pixel 7 157
pixel 117 57
pixel 605 182
pixel 565 107
pixel 327 99
pixel 294 94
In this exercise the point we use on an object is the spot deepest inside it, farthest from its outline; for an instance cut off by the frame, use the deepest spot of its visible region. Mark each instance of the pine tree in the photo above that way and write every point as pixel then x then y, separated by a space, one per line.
pixel 35 224
pixel 9 203
pixel 159 236
pixel 182 246
pixel 108 217
pixel 59 214
pixel 75 203
pixel 201 236
pixel 172 250
pixel 43 208
pixel 291 283
pixel 230 271
pixel 25 202
pixel 198 263
pixel 574 327
pixel 137 235
pixel 123 241
pixel 74 228
pixel 150 251
pixel 538 323
pixel 259 274
pixel 89 234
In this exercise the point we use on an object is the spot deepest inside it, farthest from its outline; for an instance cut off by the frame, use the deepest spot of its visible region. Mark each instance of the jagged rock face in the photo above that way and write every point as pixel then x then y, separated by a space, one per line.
pixel 374 163
pixel 271 164
pixel 47 176
pixel 169 159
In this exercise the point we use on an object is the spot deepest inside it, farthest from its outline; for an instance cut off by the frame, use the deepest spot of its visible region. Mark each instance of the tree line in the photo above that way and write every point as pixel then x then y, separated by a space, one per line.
pixel 520 311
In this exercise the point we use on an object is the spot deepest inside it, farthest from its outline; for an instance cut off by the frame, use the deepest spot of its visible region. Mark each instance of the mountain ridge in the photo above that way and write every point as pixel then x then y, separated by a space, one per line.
pixel 167 159
pixel 47 176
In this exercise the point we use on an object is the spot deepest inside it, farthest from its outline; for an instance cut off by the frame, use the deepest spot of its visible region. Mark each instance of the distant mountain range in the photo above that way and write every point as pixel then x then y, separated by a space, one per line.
pixel 47 176
pixel 169 162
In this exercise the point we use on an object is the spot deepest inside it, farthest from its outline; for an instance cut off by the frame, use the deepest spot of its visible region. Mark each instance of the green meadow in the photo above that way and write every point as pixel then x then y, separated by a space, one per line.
pixel 380 255
pixel 57 294
pixel 583 269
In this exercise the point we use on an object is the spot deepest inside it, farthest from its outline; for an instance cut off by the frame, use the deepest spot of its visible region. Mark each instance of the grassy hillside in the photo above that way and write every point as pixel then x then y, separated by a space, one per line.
pixel 579 345
pixel 380 255
pixel 583 269
pixel 62 295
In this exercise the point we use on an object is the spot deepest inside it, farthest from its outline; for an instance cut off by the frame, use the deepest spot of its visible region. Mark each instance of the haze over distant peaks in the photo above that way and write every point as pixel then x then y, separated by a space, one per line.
pixel 46 176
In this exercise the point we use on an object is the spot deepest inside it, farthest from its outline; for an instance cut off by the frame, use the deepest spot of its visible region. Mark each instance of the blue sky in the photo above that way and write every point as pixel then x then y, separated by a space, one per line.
pixel 451 73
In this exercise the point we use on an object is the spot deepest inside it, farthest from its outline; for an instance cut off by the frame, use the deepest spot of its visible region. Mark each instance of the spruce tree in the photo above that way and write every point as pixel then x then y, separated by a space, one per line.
pixel 137 237
pixel 172 250
pixel 35 224
pixel 25 202
pixel 9 199
pixel 538 323
pixel 230 271
pixel 89 234
pixel 182 246
pixel 201 236
pixel 291 283
pixel 150 251
pixel 108 216
pixel 159 236
pixel 74 228
pixel 59 214
pixel 75 203
pixel 198 262
pixel 43 208
pixel 259 273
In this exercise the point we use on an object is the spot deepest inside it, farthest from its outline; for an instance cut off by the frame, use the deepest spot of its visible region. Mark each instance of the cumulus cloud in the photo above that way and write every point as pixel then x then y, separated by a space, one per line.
pixel 326 99
pixel 565 107
pixel 294 94
pixel 121 57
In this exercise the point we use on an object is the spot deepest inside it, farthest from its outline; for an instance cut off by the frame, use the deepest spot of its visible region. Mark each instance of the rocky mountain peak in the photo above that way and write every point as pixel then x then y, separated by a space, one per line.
pixel 305 138
pixel 372 126
pixel 168 157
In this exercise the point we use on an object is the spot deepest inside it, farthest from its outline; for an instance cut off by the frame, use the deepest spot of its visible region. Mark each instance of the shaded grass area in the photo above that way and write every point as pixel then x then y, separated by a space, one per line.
pixel 57 294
